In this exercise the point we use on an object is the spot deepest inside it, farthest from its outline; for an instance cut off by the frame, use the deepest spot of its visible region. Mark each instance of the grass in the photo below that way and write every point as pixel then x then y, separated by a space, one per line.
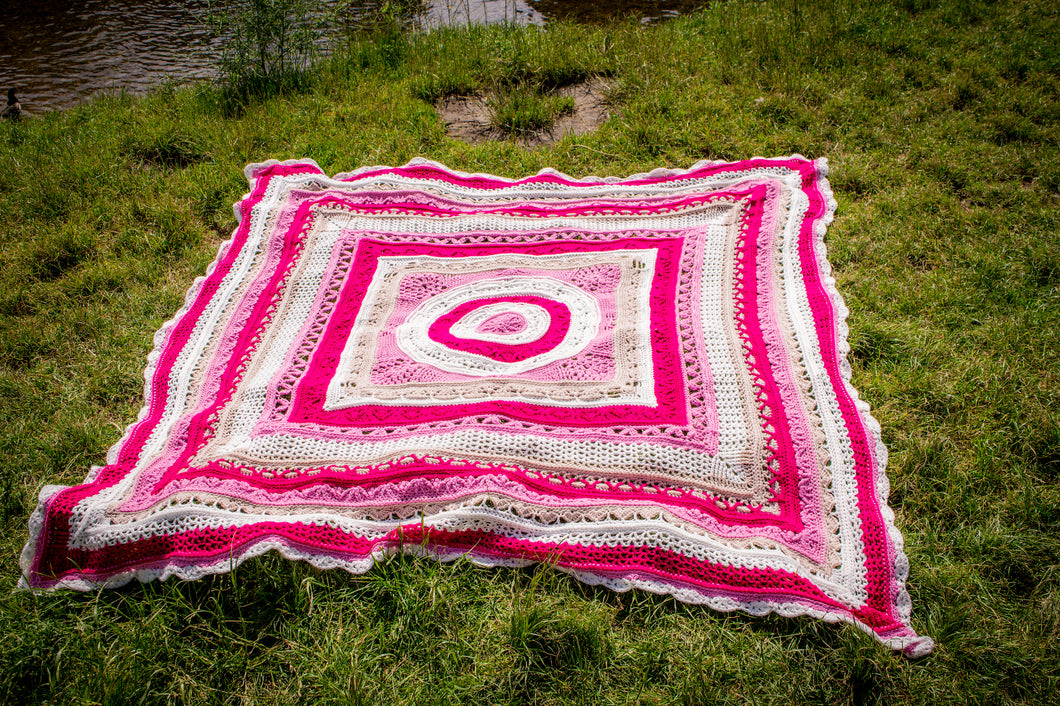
pixel 940 119
pixel 521 112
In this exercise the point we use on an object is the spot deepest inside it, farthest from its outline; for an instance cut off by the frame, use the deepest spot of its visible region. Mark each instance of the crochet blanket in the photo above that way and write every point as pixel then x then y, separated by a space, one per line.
pixel 641 381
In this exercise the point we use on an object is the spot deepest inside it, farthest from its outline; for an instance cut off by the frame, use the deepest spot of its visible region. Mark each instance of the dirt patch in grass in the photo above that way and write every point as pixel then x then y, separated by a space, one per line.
pixel 468 118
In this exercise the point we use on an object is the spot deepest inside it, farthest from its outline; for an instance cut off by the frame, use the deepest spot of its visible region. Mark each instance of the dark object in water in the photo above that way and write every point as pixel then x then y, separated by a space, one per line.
pixel 14 108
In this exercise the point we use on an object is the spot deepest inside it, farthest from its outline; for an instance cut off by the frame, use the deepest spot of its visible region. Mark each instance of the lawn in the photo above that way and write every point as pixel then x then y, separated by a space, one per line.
pixel 941 122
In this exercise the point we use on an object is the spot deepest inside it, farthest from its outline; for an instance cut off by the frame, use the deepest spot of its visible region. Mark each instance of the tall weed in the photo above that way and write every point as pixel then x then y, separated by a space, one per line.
pixel 266 45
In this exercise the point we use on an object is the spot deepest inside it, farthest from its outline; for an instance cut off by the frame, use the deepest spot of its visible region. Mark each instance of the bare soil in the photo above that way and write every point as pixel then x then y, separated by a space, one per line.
pixel 467 117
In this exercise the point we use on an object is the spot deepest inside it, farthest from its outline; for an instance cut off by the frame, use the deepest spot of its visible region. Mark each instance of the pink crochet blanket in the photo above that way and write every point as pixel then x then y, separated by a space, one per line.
pixel 641 381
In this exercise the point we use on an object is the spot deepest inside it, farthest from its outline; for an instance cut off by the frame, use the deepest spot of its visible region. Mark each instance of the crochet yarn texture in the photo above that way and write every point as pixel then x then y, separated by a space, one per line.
pixel 642 381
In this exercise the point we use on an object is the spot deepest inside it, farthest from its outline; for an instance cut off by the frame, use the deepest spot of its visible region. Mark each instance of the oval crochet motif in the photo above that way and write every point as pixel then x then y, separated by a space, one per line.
pixel 506 322
pixel 571 319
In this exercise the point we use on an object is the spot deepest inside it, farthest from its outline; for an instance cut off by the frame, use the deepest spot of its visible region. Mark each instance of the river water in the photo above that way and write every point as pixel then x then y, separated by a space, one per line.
pixel 57 53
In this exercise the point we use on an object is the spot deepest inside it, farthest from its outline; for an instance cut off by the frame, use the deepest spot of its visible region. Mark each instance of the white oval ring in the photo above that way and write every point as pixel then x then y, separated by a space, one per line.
pixel 412 338
pixel 536 317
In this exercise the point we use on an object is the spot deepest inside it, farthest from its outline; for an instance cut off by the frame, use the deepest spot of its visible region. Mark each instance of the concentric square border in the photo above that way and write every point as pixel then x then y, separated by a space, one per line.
pixel 670 409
